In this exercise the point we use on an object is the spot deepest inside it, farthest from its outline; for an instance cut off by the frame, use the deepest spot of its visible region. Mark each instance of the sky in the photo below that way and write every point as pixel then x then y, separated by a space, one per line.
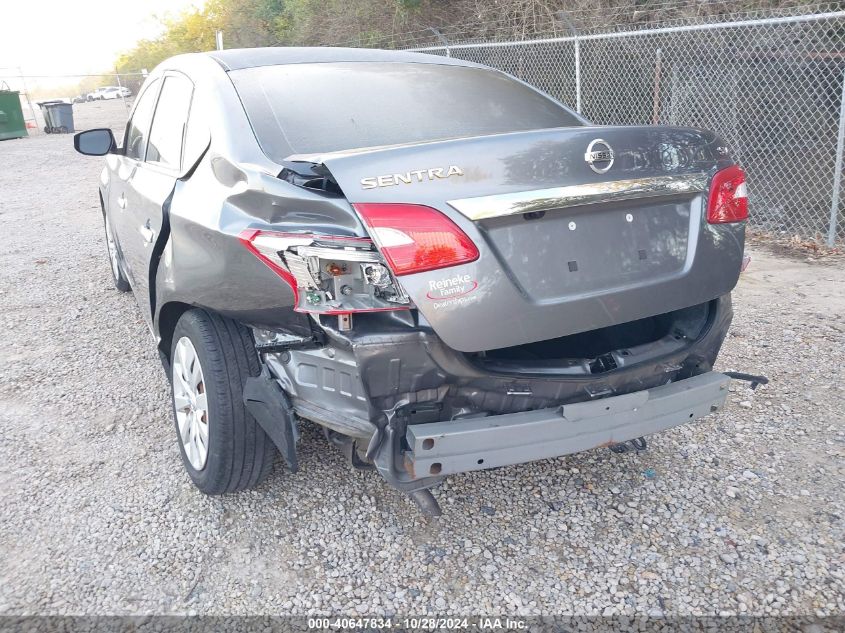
pixel 64 37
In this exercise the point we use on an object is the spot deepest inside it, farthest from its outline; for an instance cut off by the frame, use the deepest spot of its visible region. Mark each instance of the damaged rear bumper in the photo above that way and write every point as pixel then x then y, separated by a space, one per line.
pixel 444 448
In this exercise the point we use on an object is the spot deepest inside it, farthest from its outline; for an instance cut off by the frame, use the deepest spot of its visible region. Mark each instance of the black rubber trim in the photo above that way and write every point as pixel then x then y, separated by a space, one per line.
pixel 268 404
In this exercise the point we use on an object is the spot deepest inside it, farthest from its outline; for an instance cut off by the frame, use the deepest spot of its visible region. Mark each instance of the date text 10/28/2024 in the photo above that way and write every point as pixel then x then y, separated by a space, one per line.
pixel 423 623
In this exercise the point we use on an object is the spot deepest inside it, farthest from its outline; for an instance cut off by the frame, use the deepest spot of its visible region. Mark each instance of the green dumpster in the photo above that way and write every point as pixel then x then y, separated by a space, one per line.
pixel 12 124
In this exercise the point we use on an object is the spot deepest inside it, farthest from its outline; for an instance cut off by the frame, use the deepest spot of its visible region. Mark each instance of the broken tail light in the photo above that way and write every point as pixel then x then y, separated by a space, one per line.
pixel 728 196
pixel 414 238
pixel 328 274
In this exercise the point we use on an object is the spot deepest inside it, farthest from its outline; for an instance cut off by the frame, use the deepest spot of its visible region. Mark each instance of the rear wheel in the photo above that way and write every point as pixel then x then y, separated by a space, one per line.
pixel 120 280
pixel 223 448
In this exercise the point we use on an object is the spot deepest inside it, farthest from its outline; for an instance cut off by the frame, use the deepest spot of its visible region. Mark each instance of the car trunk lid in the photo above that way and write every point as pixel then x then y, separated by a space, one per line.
pixel 577 228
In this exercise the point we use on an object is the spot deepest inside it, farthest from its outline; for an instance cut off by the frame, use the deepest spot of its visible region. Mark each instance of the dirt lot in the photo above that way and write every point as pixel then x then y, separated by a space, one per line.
pixel 739 513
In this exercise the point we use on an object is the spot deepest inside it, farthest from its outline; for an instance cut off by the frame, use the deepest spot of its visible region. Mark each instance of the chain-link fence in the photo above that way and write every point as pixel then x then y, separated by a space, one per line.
pixel 772 87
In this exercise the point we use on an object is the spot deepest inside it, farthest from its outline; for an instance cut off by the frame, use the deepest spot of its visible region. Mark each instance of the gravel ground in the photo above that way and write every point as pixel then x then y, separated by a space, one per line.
pixel 739 513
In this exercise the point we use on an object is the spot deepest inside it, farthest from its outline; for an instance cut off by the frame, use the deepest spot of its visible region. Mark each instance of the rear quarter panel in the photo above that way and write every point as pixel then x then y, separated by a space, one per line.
pixel 205 264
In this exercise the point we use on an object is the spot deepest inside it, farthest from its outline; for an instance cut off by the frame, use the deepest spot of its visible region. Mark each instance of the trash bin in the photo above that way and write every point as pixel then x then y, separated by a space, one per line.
pixel 12 124
pixel 58 117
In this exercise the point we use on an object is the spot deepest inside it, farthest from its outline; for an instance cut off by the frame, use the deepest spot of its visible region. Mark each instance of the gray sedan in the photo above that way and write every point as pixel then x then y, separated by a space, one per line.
pixel 443 267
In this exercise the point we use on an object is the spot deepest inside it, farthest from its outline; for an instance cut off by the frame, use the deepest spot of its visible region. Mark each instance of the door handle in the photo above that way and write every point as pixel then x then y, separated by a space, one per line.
pixel 147 233
pixel 121 201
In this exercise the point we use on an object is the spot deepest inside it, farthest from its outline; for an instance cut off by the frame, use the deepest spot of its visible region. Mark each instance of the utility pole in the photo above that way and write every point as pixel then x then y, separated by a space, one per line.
pixel 837 170
pixel 564 16
pixel 218 40
pixel 439 35
pixel 655 105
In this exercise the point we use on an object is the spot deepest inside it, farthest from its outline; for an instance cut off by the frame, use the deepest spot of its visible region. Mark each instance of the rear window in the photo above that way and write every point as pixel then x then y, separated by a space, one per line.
pixel 316 108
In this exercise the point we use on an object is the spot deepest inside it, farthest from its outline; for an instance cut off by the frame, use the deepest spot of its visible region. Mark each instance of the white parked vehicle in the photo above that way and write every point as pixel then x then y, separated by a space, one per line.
pixel 109 92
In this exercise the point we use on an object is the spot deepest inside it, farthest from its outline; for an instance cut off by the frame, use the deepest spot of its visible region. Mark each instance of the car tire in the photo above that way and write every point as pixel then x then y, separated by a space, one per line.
pixel 113 252
pixel 237 454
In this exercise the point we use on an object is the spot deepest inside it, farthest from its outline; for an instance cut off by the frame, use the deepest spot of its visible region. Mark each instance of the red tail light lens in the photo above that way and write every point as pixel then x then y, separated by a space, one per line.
pixel 413 238
pixel 728 196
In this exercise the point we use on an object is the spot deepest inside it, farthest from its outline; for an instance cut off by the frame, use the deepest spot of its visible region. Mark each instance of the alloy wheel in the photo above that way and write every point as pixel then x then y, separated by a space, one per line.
pixel 190 402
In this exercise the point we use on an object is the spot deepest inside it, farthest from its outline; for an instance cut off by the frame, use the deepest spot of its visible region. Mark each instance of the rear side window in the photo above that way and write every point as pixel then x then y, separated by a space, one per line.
pixel 139 126
pixel 171 118
pixel 325 107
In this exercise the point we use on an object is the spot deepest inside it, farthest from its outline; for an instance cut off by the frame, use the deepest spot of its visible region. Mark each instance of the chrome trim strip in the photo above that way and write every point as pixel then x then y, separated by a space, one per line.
pixel 485 207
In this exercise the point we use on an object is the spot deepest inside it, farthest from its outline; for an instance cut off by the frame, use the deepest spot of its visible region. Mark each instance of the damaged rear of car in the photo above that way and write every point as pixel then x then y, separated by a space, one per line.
pixel 444 268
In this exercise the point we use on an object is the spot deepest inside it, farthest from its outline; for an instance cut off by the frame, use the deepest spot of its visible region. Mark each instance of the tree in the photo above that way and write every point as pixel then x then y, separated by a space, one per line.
pixel 396 23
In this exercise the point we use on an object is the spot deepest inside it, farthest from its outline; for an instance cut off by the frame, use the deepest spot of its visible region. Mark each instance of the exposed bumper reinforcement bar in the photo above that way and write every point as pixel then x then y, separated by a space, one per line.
pixel 443 448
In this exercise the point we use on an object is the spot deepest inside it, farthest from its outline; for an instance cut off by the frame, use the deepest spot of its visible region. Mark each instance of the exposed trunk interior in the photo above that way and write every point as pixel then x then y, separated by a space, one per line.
pixel 601 350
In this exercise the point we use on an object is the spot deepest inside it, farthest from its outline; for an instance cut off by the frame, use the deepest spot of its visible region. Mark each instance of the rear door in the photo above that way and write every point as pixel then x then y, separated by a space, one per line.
pixel 125 166
pixel 151 184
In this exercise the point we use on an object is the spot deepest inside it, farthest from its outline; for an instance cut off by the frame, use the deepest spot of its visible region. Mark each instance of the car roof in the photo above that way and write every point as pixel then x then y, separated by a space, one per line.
pixel 240 58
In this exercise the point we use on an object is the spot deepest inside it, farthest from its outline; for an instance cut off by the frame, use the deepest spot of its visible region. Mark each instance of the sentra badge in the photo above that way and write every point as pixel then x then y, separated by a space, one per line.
pixel 415 175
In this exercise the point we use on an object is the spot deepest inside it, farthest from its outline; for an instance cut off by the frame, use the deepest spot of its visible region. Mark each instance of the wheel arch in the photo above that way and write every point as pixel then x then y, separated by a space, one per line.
pixel 168 317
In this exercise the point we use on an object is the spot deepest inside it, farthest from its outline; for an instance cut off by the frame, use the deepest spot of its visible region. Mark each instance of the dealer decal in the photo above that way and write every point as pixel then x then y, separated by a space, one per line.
pixel 451 290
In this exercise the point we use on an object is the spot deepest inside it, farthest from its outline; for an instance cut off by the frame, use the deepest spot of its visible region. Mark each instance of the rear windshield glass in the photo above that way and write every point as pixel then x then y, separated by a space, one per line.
pixel 325 107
